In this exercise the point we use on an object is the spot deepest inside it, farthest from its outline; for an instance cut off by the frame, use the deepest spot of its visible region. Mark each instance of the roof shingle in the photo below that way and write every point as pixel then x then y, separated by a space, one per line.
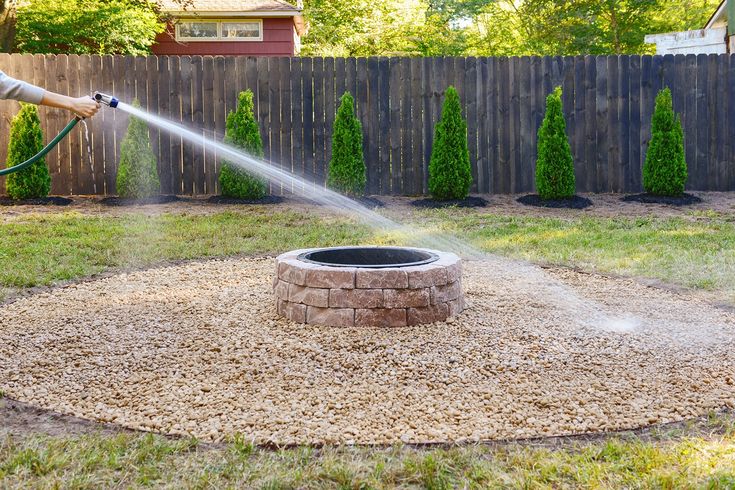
pixel 227 6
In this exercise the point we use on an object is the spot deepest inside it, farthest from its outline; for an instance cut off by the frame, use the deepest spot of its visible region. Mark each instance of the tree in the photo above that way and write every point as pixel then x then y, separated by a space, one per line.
pixel 7 25
pixel 26 140
pixel 137 174
pixel 347 167
pixel 87 26
pixel 665 170
pixel 555 164
pixel 450 173
pixel 242 131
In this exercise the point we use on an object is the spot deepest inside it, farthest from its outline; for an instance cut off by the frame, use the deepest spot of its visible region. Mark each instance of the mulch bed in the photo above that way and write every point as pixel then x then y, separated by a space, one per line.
pixel 234 200
pixel 125 201
pixel 469 202
pixel 370 202
pixel 576 202
pixel 683 200
pixel 41 201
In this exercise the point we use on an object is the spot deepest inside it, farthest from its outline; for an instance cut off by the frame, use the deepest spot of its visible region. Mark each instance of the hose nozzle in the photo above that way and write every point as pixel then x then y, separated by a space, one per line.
pixel 106 99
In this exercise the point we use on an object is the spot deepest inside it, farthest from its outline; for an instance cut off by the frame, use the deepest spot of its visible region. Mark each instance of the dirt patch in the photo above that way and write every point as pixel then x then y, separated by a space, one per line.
pixel 575 202
pixel 198 349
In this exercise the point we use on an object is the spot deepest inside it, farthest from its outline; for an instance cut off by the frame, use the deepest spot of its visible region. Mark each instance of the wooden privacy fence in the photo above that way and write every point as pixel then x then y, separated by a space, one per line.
pixel 608 102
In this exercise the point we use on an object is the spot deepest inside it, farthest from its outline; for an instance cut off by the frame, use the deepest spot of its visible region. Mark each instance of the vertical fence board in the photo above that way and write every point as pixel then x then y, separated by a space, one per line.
pixel 502 183
pixel 197 122
pixel 164 137
pixel 384 124
pixel 700 164
pixel 415 116
pixel 308 115
pixel 395 80
pixel 285 156
pixel 274 114
pixel 208 123
pixel 613 127
pixel 428 124
pixel 371 127
pixel 361 99
pixel 297 164
pixel 175 143
pixel 331 102
pixel 408 175
pixel 320 161
pixel 624 123
pixel 187 152
pixel 714 100
pixel 526 106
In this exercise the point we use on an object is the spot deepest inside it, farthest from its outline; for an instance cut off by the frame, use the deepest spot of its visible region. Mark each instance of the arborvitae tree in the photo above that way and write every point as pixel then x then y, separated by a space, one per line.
pixel 555 164
pixel 450 174
pixel 242 132
pixel 137 174
pixel 26 140
pixel 347 167
pixel 665 170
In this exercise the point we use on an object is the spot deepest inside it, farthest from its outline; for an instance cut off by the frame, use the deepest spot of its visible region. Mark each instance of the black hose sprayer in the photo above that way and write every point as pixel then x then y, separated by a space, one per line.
pixel 98 96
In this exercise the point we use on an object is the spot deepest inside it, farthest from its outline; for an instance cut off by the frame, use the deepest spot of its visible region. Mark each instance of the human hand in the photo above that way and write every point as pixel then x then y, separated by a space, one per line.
pixel 84 106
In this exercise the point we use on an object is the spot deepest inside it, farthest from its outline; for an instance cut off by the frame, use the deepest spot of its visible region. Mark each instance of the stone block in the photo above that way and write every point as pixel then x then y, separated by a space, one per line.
pixel 308 296
pixel 292 311
pixel 281 289
pixel 448 292
pixel 333 317
pixel 381 278
pixel 380 317
pixel 426 276
pixel 356 298
pixel 406 298
pixel 428 314
pixel 331 277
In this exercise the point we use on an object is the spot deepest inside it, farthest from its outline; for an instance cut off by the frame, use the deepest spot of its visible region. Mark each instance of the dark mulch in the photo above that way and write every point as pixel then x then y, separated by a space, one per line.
pixel 370 202
pixel 469 202
pixel 41 201
pixel 234 200
pixel 683 200
pixel 576 202
pixel 126 201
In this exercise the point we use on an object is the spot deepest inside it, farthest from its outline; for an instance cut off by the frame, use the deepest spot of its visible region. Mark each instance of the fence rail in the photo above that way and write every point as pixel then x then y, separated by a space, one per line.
pixel 608 102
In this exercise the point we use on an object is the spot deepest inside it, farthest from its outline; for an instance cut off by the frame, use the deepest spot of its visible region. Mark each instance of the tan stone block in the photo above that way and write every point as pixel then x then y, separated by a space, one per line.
pixel 292 311
pixel 356 298
pixel 331 277
pixel 425 276
pixel 333 317
pixel 293 271
pixel 448 292
pixel 308 296
pixel 429 314
pixel 380 317
pixel 405 298
pixel 455 306
pixel 454 272
pixel 381 278
pixel 281 290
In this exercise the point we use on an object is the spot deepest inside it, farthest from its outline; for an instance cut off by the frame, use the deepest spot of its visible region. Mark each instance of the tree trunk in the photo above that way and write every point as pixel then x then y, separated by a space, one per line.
pixel 7 25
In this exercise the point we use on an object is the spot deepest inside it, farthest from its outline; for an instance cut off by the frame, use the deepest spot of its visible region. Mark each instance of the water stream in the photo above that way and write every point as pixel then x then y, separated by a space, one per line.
pixel 531 277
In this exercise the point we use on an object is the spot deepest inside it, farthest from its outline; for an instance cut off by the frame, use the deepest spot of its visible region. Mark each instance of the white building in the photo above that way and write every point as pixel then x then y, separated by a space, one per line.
pixel 717 36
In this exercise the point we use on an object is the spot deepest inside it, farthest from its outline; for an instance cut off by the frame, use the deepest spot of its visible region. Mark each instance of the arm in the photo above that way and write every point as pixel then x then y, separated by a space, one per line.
pixel 10 88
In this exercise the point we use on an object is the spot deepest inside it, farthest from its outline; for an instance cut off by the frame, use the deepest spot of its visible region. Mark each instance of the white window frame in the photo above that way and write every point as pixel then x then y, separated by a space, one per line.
pixel 219 37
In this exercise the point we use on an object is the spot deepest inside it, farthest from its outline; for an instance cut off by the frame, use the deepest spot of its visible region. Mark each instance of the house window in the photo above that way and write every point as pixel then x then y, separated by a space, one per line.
pixel 242 30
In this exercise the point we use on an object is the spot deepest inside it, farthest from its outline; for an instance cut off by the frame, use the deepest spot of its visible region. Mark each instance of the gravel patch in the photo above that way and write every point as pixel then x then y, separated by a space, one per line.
pixel 199 349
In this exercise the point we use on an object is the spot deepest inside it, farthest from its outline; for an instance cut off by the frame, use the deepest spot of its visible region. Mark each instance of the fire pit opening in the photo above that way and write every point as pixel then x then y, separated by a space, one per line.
pixel 369 257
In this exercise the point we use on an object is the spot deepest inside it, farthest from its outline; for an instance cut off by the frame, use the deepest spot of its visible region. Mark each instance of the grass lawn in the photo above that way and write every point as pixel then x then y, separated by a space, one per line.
pixel 696 251
pixel 670 459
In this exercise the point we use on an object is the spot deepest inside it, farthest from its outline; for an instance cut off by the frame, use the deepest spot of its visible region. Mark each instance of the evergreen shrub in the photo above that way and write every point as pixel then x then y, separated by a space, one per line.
pixel 26 140
pixel 242 131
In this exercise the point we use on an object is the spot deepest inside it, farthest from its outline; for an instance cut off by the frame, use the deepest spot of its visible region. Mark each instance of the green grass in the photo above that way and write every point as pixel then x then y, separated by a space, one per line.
pixel 696 251
pixel 704 458
pixel 42 249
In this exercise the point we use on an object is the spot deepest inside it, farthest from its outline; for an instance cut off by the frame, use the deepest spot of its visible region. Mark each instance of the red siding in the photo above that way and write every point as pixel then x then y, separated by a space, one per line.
pixel 278 40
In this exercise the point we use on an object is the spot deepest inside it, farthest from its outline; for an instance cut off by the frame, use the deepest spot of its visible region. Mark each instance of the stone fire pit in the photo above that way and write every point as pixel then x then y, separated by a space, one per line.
pixel 368 286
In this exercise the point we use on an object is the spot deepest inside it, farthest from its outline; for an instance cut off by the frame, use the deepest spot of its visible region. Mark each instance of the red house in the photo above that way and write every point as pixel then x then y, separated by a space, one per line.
pixel 230 27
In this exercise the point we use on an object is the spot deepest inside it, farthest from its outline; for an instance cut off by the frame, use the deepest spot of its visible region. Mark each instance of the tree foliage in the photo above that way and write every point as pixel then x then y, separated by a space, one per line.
pixel 242 131
pixel 347 166
pixel 87 26
pixel 450 173
pixel 665 170
pixel 555 164
pixel 495 27
pixel 26 140
pixel 137 173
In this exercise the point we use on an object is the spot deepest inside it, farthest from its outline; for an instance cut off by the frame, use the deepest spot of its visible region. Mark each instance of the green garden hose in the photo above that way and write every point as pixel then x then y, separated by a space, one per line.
pixel 42 153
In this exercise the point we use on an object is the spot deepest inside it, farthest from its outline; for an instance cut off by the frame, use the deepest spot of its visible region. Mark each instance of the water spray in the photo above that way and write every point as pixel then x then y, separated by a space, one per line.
pixel 108 100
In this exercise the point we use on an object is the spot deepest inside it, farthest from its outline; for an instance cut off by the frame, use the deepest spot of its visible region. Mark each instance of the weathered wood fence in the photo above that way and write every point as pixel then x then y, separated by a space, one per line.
pixel 608 102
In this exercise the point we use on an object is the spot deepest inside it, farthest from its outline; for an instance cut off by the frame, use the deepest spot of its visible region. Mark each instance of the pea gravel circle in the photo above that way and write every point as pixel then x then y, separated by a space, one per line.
pixel 198 349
